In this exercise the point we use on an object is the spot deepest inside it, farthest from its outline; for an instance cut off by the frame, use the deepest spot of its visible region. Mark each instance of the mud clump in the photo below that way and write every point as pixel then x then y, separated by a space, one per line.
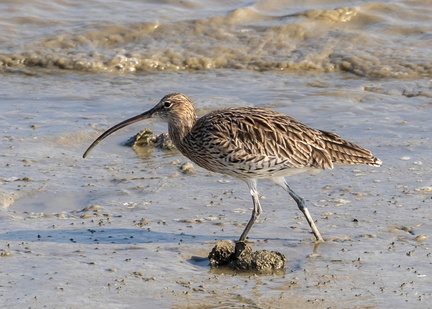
pixel 242 257
pixel 146 138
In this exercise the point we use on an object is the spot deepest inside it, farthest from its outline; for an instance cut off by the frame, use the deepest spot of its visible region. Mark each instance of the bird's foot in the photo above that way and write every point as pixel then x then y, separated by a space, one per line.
pixel 319 239
pixel 240 246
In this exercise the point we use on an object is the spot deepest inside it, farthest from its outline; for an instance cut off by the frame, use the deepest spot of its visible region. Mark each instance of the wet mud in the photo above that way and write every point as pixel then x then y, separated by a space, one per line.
pixel 119 229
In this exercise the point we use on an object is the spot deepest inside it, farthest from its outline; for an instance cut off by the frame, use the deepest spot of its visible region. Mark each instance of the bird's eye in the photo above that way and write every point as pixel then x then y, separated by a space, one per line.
pixel 167 104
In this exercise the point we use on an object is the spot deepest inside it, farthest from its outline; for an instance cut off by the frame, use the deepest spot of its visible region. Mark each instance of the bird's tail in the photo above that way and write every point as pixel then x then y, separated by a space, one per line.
pixel 346 153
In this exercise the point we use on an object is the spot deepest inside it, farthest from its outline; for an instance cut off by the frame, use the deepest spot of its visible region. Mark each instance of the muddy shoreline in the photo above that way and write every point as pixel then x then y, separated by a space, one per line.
pixel 121 229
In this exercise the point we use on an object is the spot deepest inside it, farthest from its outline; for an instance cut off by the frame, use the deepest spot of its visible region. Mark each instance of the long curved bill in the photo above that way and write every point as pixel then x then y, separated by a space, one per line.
pixel 145 115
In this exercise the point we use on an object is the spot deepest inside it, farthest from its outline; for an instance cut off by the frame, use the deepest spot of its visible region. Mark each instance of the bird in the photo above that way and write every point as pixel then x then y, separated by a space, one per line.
pixel 251 144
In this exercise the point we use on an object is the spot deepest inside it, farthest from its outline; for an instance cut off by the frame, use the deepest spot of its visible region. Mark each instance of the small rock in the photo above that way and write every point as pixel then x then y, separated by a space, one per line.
pixel 421 238
pixel 187 168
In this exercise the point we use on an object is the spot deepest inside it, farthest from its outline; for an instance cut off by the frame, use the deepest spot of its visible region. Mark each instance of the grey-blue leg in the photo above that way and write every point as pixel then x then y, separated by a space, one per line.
pixel 257 210
pixel 301 205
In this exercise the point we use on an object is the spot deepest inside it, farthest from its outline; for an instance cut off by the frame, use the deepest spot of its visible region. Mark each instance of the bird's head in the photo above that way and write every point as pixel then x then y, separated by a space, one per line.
pixel 176 108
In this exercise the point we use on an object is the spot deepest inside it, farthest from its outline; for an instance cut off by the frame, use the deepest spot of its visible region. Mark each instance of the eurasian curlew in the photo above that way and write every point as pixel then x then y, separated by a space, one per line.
pixel 251 143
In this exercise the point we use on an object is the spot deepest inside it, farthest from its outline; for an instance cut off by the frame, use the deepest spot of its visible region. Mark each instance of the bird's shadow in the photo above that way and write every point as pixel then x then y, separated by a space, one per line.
pixel 111 236
pixel 125 236
pixel 104 236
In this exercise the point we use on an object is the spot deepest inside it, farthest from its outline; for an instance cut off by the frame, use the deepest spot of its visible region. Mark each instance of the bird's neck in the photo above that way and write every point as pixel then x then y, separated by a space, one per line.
pixel 179 128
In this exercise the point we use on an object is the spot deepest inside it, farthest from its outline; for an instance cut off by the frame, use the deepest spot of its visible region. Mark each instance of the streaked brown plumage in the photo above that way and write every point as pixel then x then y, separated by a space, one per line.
pixel 250 144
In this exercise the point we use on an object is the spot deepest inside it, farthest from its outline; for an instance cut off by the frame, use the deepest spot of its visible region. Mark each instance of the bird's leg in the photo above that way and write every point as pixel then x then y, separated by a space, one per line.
pixel 301 205
pixel 256 212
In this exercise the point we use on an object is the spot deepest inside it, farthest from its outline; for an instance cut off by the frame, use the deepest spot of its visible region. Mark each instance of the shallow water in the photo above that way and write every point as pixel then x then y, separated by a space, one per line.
pixel 387 39
pixel 119 230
